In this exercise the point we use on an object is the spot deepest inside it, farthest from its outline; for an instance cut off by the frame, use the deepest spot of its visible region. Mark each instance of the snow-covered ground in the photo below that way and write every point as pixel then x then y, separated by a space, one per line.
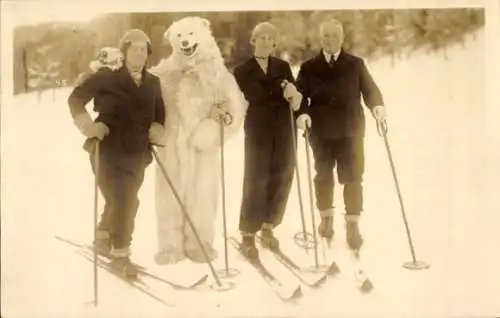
pixel 435 107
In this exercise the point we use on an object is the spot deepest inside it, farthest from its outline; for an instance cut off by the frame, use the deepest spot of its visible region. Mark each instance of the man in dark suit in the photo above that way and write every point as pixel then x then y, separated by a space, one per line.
pixel 267 84
pixel 131 115
pixel 334 82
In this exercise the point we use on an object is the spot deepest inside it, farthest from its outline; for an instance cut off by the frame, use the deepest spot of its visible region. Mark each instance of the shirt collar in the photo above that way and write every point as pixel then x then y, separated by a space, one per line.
pixel 328 56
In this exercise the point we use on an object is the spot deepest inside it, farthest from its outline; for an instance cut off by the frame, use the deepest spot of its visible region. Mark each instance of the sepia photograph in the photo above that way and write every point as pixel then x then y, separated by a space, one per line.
pixel 303 159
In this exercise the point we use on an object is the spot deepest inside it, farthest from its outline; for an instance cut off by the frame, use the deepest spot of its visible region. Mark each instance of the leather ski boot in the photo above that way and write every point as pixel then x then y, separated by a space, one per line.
pixel 268 239
pixel 248 245
pixel 354 238
pixel 102 244
pixel 325 228
pixel 122 264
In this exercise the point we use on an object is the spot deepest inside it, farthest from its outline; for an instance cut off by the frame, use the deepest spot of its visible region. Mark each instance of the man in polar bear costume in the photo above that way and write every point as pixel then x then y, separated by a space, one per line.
pixel 197 88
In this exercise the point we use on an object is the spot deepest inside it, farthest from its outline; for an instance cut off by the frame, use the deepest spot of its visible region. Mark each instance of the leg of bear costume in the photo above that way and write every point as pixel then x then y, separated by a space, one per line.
pixel 202 204
pixel 168 212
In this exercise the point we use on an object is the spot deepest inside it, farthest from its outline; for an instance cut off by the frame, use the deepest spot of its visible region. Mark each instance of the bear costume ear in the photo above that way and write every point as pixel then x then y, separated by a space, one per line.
pixel 205 22
pixel 166 35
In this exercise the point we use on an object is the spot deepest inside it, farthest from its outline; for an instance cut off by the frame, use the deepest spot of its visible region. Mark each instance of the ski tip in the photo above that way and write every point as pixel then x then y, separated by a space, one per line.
pixel 333 269
pixel 366 286
pixel 297 293
pixel 199 282
pixel 320 281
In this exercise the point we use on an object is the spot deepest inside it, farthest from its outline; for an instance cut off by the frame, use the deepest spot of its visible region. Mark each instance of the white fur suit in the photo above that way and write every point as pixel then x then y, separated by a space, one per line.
pixel 194 80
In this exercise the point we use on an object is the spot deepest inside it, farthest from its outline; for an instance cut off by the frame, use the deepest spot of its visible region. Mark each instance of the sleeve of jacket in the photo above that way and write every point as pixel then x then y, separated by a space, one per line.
pixel 290 78
pixel 241 80
pixel 160 113
pixel 303 87
pixel 369 89
pixel 83 93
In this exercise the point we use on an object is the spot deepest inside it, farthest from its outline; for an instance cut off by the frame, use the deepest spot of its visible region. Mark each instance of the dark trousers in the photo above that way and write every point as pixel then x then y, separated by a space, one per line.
pixel 347 155
pixel 268 176
pixel 120 178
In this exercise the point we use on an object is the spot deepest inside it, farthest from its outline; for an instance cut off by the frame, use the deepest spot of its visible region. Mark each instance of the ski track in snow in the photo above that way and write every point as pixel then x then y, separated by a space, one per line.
pixel 435 108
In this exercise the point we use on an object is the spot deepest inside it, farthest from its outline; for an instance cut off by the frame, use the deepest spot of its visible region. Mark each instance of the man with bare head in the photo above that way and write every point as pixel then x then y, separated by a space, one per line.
pixel 333 81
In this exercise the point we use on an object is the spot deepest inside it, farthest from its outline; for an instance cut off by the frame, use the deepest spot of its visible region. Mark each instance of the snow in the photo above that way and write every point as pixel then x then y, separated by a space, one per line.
pixel 436 132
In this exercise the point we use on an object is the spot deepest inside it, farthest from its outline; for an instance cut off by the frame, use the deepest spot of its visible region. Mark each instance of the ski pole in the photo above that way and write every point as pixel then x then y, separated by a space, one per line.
pixel 188 218
pixel 304 233
pixel 414 264
pixel 311 197
pixel 96 197
pixel 225 120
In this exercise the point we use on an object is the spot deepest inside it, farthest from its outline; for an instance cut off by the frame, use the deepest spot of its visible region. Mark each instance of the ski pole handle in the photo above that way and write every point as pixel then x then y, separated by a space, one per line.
pixel 221 115
pixel 227 118
pixel 156 145
pixel 382 127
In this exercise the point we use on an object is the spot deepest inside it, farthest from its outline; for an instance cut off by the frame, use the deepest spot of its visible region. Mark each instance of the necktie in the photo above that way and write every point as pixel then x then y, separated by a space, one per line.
pixel 137 77
pixel 332 61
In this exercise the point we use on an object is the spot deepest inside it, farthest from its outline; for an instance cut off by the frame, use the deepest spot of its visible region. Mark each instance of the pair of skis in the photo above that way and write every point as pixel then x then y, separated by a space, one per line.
pixel 283 291
pixel 362 280
pixel 291 293
pixel 138 282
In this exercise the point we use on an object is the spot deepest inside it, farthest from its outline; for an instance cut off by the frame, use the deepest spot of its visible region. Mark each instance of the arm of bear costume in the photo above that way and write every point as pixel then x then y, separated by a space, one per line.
pixel 207 134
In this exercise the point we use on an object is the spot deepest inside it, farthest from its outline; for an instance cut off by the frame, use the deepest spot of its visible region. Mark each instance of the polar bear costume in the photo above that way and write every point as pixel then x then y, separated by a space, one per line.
pixel 194 80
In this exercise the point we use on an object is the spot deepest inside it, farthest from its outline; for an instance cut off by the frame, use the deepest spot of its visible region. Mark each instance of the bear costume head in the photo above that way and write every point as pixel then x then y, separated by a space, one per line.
pixel 192 40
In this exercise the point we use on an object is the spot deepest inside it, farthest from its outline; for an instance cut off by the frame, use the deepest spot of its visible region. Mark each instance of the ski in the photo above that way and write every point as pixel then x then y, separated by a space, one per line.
pixel 135 282
pixel 142 270
pixel 296 270
pixel 284 293
pixel 362 280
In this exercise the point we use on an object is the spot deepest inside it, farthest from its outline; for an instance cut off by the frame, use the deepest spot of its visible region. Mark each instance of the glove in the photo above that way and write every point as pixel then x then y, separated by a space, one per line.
pixel 303 121
pixel 292 95
pixel 379 112
pixel 156 133
pixel 89 128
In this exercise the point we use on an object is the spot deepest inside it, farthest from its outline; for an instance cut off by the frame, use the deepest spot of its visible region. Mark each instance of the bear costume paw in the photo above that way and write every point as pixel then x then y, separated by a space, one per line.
pixel 206 135
pixel 169 257
pixel 197 256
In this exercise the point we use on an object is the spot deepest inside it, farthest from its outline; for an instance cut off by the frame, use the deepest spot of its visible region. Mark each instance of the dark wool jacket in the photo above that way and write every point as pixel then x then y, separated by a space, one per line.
pixel 335 95
pixel 264 94
pixel 127 109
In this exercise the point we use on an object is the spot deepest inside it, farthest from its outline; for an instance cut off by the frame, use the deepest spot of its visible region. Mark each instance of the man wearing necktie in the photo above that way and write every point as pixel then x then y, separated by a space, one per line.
pixel 333 82
pixel 131 116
